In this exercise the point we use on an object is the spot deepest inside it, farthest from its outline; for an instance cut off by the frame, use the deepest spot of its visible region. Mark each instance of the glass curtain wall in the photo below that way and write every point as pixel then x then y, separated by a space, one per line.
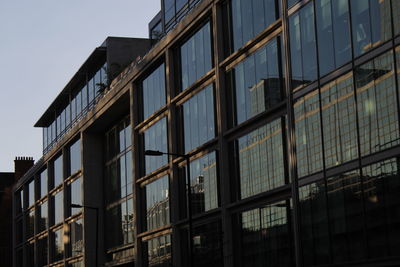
pixel 119 186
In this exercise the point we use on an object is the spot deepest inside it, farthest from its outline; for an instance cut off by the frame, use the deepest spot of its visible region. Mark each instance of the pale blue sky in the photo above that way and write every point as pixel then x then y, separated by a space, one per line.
pixel 42 45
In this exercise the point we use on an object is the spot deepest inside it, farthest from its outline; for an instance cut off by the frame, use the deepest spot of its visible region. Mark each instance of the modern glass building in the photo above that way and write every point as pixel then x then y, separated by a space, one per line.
pixel 281 120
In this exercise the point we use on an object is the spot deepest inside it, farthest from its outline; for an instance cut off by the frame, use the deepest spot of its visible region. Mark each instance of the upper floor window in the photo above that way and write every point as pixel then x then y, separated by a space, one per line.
pixel 195 56
pixel 43 183
pixel 74 157
pixel 58 170
pixel 153 90
pixel 155 138
pixel 371 24
pixel 157 203
pixel 31 192
pixel 257 82
pixel 303 46
pixel 250 17
pixel 198 119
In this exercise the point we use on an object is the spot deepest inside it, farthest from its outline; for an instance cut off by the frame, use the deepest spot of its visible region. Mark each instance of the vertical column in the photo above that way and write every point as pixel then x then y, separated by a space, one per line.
pixel 291 137
pixel 92 162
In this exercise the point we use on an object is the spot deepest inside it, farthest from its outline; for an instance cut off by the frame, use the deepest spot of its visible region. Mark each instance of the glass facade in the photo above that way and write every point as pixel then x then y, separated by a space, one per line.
pixel 118 186
pixel 265 236
pixel 158 251
pixel 303 46
pixel 308 134
pixel 377 105
pixel 74 157
pixel 289 120
pixel 339 121
pixel 81 101
pixel 153 90
pixel 258 82
pixel 196 56
pixel 58 174
pixel 259 156
pixel 198 119
pixel 204 183
pixel 250 17
pixel 157 203
pixel 43 183
pixel 155 138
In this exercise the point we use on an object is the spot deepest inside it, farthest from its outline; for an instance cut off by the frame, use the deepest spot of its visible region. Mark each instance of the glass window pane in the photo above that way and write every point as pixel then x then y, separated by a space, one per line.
pixel 43 252
pixel 258 82
pixel 339 121
pixel 158 251
pixel 157 203
pixel 30 223
pixel 376 104
pixel 43 217
pixel 197 53
pixel 302 46
pixel 76 195
pixel 396 16
pixel 155 138
pixel 75 157
pixel 265 236
pixel 308 134
pixel 260 158
pixel 204 184
pixel 58 171
pixel 31 193
pixel 371 24
pixel 314 224
pixel 58 239
pixel 249 18
pixel 199 118
pixel 120 224
pixel 76 238
pixel 58 208
pixel 43 183
pixel 207 245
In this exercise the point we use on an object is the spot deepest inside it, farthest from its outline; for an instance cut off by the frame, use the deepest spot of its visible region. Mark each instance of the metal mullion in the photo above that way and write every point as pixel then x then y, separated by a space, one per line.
pixel 292 139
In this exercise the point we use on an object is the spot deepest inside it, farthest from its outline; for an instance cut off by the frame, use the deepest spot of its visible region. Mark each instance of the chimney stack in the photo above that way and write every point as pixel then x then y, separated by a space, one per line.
pixel 21 166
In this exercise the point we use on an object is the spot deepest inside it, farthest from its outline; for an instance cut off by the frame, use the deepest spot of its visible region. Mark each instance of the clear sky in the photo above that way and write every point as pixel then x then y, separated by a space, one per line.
pixel 42 45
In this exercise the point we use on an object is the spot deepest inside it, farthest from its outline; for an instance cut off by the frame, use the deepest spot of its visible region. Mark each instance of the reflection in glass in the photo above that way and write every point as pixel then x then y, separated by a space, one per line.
pixel 371 24
pixel 43 253
pixel 314 224
pixel 265 236
pixel 250 17
pixel 58 252
pixel 376 104
pixel 396 16
pixel 333 31
pixel 75 157
pixel 308 134
pixel 43 183
pixel 195 56
pixel 159 251
pixel 75 229
pixel 303 46
pixel 207 245
pixel 43 217
pixel 258 82
pixel 58 208
pixel 381 185
pixel 157 203
pixel 31 192
pixel 153 90
pixel 19 201
pixel 260 156
pixel 203 182
pixel 120 224
pixel 76 195
pixel 198 118
pixel 58 171
pixel 30 223
pixel 155 138
pixel 339 121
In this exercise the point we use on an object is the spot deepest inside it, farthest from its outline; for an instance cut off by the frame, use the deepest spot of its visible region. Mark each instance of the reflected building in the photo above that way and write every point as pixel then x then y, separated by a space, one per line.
pixel 287 110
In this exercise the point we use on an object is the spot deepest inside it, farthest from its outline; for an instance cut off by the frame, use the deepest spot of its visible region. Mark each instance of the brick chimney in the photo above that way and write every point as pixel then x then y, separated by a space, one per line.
pixel 21 166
